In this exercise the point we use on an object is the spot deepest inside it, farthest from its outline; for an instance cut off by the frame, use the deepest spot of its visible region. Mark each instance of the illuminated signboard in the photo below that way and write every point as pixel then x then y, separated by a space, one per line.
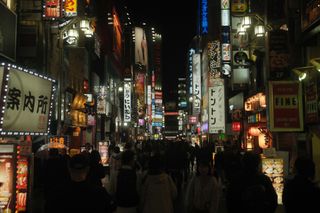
pixel 204 16
pixel 70 8
pixel 28 97
pixel 127 102
pixel 196 84
pixel 217 107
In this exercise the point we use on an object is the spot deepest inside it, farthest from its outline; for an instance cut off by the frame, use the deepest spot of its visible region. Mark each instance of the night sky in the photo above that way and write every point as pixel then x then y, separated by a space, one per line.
pixel 177 24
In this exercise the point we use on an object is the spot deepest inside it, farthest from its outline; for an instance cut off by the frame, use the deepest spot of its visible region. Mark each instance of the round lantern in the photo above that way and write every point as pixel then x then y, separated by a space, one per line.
pixel 263 144
pixel 254 131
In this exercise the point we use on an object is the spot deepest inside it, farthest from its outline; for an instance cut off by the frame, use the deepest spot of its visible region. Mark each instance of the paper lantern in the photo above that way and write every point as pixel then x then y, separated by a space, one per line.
pixel 263 144
pixel 254 131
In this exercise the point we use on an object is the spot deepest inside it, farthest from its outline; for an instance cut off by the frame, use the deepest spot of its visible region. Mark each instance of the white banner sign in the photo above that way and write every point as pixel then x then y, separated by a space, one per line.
pixel 27 105
pixel 196 72
pixel 217 123
pixel 127 102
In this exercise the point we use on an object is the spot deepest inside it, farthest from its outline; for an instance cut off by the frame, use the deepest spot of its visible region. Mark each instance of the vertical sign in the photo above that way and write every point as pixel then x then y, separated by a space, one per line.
pixel 311 100
pixel 214 58
pixel 204 17
pixel 285 106
pixel 217 107
pixel 196 73
pixel 127 102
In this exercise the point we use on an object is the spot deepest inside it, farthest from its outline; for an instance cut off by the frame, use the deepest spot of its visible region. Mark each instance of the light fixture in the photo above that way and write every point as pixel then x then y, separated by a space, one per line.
pixel 259 30
pixel 241 29
pixel 246 22
pixel 88 33
pixel 316 62
pixel 73 36
pixel 301 72
pixel 84 25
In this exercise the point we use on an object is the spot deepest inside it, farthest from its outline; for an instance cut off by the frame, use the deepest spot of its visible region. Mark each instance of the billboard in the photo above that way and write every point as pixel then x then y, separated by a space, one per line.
pixel 8 33
pixel 285 106
pixel 117 35
pixel 217 120
pixel 141 47
pixel 28 98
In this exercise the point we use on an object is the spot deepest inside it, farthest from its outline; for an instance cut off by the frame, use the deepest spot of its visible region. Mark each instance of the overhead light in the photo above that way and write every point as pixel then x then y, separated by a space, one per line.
pixel 84 25
pixel 241 30
pixel 246 22
pixel 301 72
pixel 316 62
pixel 259 30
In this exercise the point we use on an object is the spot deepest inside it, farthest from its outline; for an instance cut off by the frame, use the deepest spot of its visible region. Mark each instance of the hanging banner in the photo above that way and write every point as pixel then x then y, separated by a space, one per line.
pixel 217 120
pixel 196 72
pixel 285 106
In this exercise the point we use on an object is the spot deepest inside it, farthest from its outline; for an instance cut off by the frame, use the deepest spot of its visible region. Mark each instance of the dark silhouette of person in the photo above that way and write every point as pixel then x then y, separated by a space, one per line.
pixel 253 191
pixel 56 177
pixel 300 194
pixel 96 171
pixel 80 195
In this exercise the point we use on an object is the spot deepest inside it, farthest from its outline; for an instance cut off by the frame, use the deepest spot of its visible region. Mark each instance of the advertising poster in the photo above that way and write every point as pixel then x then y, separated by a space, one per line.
pixel 285 106
pixel 28 99
pixel 22 184
pixel 6 182
pixel 141 47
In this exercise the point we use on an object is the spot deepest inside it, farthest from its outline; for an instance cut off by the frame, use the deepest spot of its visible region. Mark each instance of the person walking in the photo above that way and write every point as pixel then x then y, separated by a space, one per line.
pixel 203 190
pixel 158 189
pixel 124 184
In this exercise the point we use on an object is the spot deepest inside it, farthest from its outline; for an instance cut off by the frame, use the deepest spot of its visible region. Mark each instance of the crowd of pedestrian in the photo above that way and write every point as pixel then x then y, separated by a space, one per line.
pixel 151 176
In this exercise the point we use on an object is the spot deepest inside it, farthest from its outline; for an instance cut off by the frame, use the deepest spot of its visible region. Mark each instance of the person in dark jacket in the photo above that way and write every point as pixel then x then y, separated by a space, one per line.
pixel 80 195
pixel 96 171
pixel 125 184
pixel 253 191
pixel 300 194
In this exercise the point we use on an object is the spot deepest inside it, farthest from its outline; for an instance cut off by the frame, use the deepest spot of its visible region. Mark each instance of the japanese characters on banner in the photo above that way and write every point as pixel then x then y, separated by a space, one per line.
pixel 127 102
pixel 27 106
pixel 285 106
pixel 196 73
pixel 204 16
pixel 214 58
pixel 217 120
